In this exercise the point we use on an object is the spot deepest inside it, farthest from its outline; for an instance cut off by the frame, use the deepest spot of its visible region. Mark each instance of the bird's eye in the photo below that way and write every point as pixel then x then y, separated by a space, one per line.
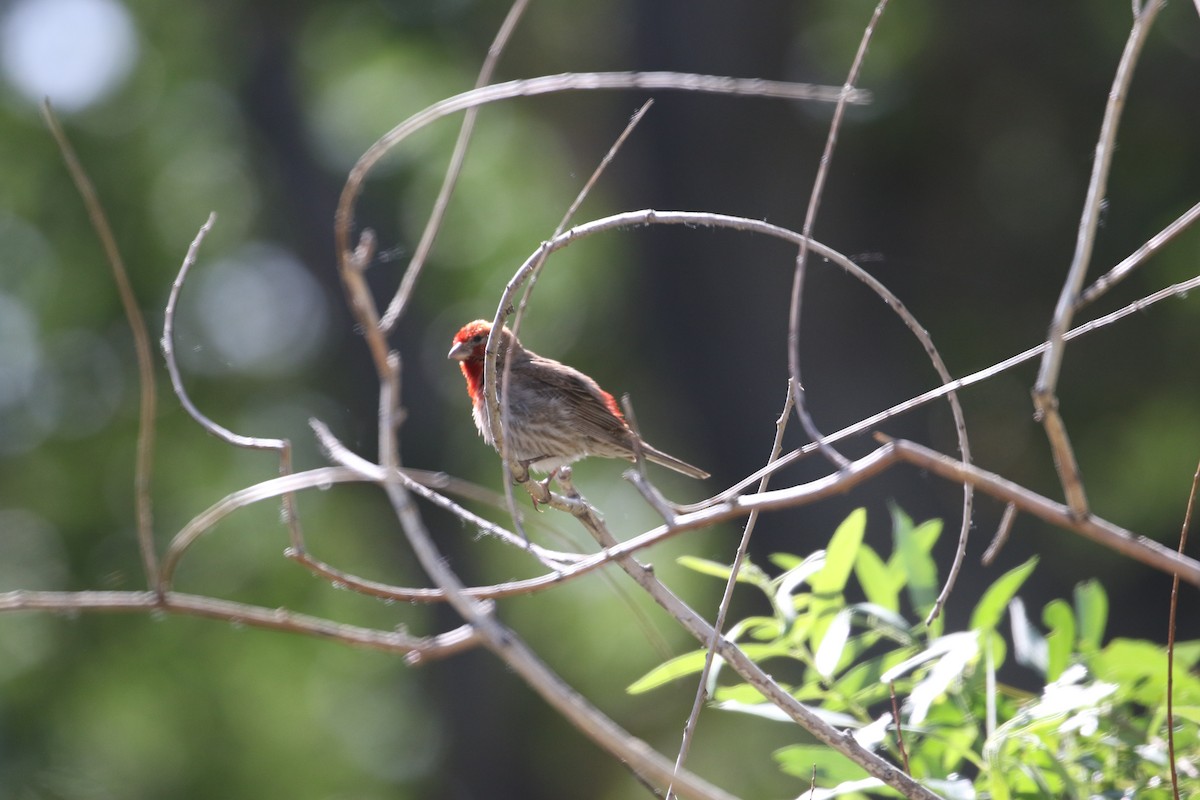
pixel 477 338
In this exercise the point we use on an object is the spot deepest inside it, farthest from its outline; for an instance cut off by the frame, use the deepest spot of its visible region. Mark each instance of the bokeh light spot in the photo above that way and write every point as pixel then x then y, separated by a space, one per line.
pixel 261 312
pixel 74 52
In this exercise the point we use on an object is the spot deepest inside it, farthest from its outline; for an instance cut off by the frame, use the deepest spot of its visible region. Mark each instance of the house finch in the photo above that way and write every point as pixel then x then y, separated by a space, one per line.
pixel 557 414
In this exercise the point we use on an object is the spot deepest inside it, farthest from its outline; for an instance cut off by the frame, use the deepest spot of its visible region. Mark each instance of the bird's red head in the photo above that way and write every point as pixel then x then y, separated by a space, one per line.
pixel 470 348
pixel 470 341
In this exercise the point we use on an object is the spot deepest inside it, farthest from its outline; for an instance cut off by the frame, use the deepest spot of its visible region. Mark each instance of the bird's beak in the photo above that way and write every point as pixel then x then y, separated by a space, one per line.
pixel 460 352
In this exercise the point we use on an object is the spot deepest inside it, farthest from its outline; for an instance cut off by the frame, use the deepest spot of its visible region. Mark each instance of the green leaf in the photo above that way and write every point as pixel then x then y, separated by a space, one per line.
pixel 747 574
pixel 879 583
pixel 862 683
pixel 883 621
pixel 1187 654
pixel 692 663
pixel 1060 641
pixel 950 655
pixel 672 669
pixel 912 554
pixel 833 644
pixel 840 554
pixel 740 693
pixel 764 629
pixel 799 760
pixel 1028 643
pixel 1139 667
pixel 1190 713
pixel 788 582
pixel 1091 609
pixel 785 561
pixel 990 608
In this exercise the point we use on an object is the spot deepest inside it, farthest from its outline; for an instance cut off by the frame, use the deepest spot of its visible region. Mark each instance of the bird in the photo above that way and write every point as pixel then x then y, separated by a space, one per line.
pixel 557 414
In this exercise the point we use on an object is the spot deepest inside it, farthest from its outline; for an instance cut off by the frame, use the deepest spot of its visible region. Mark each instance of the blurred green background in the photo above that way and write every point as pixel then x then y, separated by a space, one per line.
pixel 959 187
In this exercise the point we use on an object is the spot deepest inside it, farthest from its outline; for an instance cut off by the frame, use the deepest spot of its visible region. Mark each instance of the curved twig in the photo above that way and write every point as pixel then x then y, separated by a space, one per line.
pixel 323 477
pixel 590 81
pixel 648 764
pixel 496 402
pixel 707 219
pixel 282 446
pixel 810 218
pixel 148 401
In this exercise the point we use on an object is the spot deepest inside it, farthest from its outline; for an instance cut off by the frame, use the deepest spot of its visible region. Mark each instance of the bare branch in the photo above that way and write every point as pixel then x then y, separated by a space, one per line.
pixel 417 481
pixel 1045 398
pixel 521 659
pixel 689 728
pixel 148 402
pixel 497 406
pixel 1139 256
pixel 1139 548
pixel 400 300
pixel 590 81
pixel 870 423
pixel 810 218
pixel 1171 617
pixel 282 446
pixel 1002 533
pixel 415 649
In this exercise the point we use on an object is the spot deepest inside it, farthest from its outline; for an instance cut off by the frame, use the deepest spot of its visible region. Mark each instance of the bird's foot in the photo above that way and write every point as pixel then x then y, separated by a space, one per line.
pixel 563 476
pixel 544 487
pixel 539 491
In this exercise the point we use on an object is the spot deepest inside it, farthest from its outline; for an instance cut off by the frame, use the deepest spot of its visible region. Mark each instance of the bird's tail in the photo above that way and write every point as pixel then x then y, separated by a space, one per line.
pixel 671 462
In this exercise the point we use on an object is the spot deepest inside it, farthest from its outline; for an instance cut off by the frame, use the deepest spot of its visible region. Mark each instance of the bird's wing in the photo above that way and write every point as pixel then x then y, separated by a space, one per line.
pixel 580 400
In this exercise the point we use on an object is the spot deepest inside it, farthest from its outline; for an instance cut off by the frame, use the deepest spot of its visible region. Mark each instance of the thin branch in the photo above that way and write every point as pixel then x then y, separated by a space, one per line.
pixel 1183 537
pixel 806 420
pixel 590 81
pixel 637 475
pixel 433 226
pixel 415 649
pixel 899 727
pixel 416 480
pixel 1139 256
pixel 282 446
pixel 1002 533
pixel 505 644
pixel 147 406
pixel 695 625
pixel 352 267
pixel 810 218
pixel 1044 393
pixel 1139 548
pixel 1090 219
pixel 401 594
pixel 497 405
pixel 872 422
pixel 689 728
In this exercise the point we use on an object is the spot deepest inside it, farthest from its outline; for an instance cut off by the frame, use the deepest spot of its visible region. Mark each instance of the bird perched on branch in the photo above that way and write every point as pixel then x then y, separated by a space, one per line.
pixel 557 414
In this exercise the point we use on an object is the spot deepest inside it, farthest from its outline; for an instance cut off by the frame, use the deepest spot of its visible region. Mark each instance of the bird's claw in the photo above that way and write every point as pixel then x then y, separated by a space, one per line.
pixel 544 485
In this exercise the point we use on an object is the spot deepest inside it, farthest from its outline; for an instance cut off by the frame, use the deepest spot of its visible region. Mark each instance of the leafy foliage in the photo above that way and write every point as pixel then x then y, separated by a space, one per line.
pixel 1097 728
